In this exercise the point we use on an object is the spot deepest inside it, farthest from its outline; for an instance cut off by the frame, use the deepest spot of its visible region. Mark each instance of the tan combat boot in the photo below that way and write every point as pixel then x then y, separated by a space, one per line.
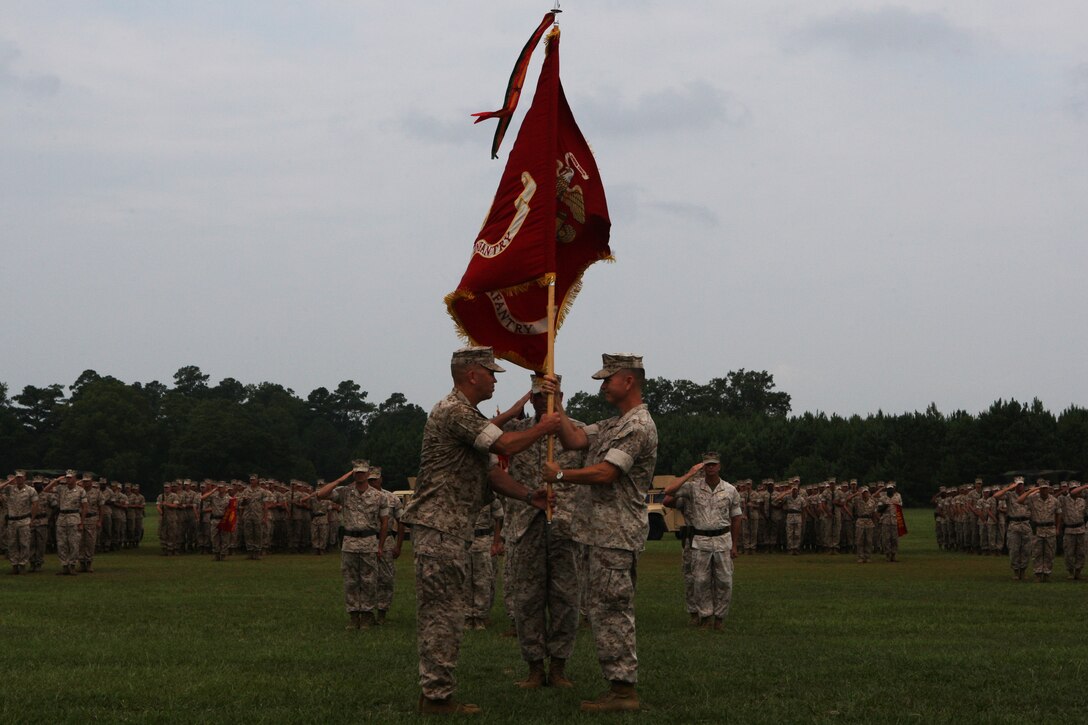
pixel 557 676
pixel 381 616
pixel 535 679
pixel 706 622
pixel 356 619
pixel 693 620
pixel 621 697
pixel 718 622
pixel 366 620
pixel 446 707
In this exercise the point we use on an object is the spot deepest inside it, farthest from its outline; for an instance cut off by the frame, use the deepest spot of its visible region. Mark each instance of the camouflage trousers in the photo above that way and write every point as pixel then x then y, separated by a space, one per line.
pixel 360 581
pixel 889 537
pixel 1073 545
pixel 1042 549
pixel 319 533
pixel 987 535
pixel 836 530
pixel 849 532
pixel 38 542
pixel 217 539
pixel 508 580
pixel 823 532
pixel 545 591
pixel 253 533
pixel 689 578
pixel 713 580
pixel 1019 535
pixel 204 535
pixel 88 541
pixel 754 533
pixel 132 530
pixel 440 608
pixel 612 577
pixel 863 536
pixel 169 532
pixel 387 570
pixel 582 562
pixel 300 529
pixel 793 531
pixel 479 582
pixel 118 534
pixel 69 538
pixel 18 540
pixel 106 532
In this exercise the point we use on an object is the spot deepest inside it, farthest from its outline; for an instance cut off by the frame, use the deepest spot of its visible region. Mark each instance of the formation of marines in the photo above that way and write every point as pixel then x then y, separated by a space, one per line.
pixel 827 518
pixel 259 517
pixel 75 517
pixel 1030 524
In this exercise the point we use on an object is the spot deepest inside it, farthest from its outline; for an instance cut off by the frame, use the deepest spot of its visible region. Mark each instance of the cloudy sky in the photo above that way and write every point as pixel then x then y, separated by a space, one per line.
pixel 882 204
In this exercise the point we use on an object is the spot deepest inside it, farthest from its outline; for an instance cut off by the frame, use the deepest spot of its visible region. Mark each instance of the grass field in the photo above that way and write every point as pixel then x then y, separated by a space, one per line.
pixel 935 638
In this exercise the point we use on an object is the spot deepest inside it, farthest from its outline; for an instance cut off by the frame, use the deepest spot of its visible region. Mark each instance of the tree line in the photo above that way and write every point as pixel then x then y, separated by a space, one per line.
pixel 150 432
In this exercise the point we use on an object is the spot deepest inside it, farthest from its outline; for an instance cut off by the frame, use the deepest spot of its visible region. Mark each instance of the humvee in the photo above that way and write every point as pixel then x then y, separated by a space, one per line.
pixel 662 519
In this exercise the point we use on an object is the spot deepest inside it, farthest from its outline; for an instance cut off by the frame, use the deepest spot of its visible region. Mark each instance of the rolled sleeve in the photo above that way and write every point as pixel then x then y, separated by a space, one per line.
pixel 619 459
pixel 487 438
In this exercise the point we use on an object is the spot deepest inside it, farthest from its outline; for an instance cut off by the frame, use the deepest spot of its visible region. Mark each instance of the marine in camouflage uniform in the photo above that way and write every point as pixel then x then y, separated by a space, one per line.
pixel 21 503
pixel 543 576
pixel 887 505
pixel 793 507
pixel 479 568
pixel 610 517
pixel 91 525
pixel 1073 527
pixel 1018 527
pixel 452 486
pixel 319 525
pixel 1044 519
pixel 715 509
pixel 47 501
pixel 71 515
pixel 215 503
pixel 757 515
pixel 686 570
pixel 365 515
pixel 387 564
pixel 864 510
pixel 301 516
pixel 253 506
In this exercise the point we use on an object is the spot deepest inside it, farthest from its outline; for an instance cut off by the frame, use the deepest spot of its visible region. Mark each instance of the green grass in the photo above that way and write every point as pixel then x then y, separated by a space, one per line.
pixel 935 638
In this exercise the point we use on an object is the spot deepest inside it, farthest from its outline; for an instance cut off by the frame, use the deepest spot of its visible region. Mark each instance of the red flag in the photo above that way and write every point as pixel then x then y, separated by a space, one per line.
pixel 230 516
pixel 548 221
pixel 513 88
pixel 900 521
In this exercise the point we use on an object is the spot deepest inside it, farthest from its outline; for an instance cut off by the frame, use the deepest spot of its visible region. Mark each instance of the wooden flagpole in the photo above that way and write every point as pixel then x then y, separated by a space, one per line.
pixel 549 365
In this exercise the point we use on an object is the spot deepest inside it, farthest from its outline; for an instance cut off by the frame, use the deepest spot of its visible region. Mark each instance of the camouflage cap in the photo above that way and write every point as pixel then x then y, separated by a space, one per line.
pixel 254 476
pixel 87 477
pixel 1042 483
pixel 537 382
pixel 1018 479
pixel 19 473
pixel 484 356
pixel 614 362
pixel 712 457
pixel 375 472
pixel 70 472
pixel 360 466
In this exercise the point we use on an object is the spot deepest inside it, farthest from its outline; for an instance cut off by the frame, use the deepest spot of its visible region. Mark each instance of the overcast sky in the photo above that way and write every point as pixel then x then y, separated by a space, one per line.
pixel 883 205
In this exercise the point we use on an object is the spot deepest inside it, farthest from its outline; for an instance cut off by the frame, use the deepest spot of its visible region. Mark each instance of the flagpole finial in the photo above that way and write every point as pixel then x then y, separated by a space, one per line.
pixel 556 8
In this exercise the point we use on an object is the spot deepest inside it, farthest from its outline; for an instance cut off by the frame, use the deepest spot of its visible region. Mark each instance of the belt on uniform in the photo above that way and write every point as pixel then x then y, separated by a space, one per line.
pixel 69 511
pixel 483 532
pixel 215 518
pixel 318 516
pixel 1017 518
pixel 1044 524
pixel 793 512
pixel 360 533
pixel 711 532
pixel 17 518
